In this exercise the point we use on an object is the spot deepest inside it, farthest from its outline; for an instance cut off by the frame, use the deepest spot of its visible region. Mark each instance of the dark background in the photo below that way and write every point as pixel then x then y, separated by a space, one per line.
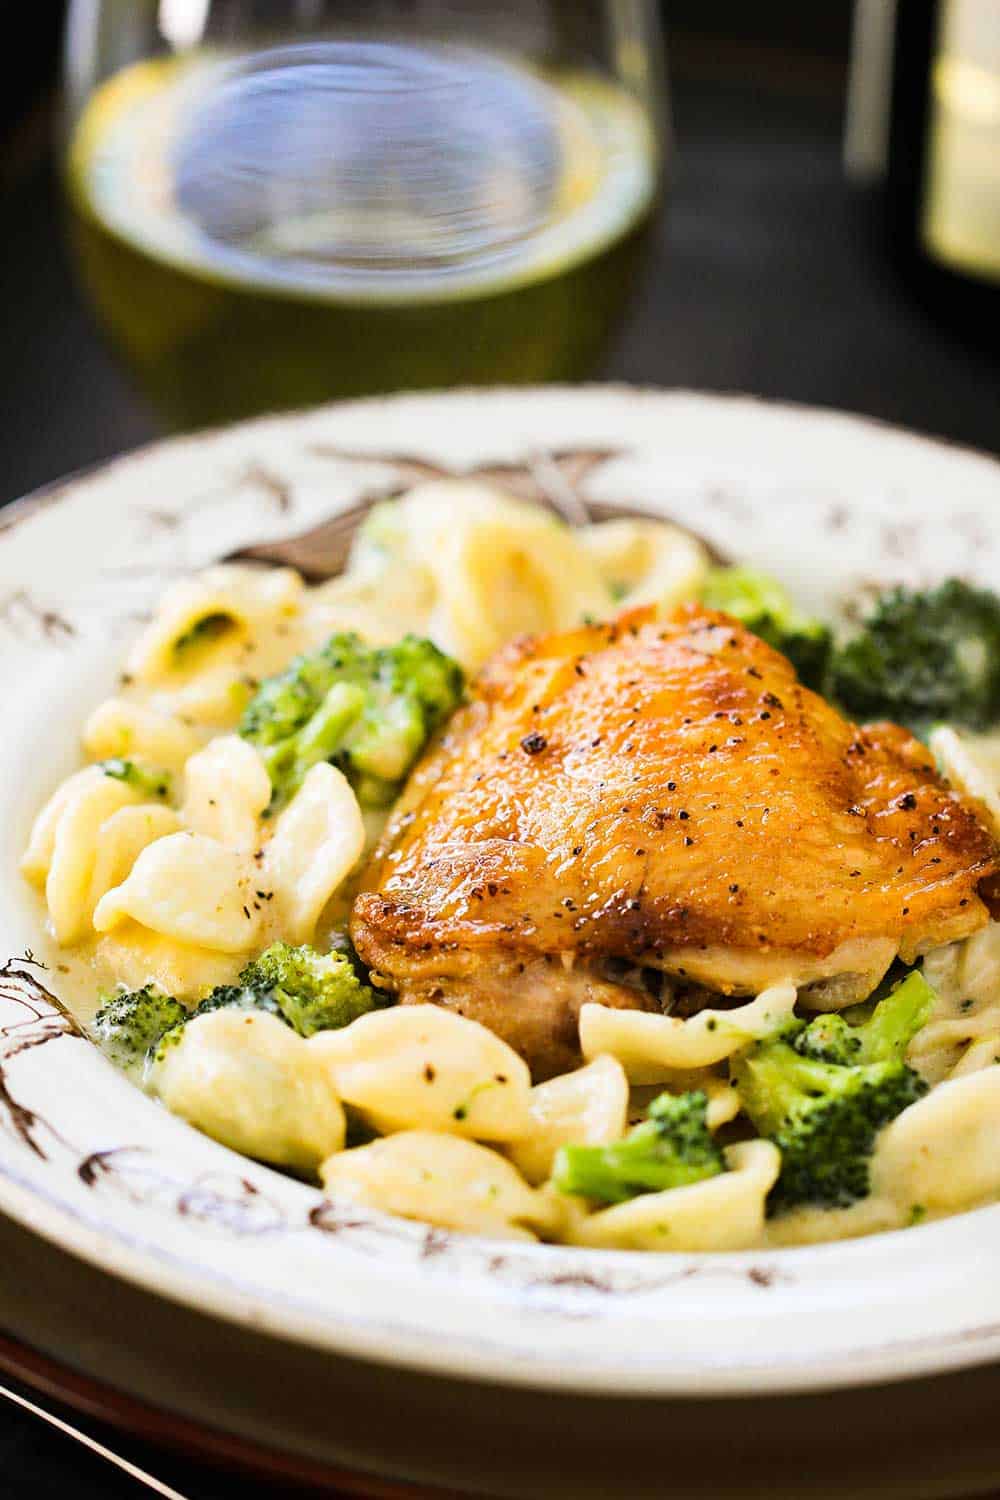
pixel 770 275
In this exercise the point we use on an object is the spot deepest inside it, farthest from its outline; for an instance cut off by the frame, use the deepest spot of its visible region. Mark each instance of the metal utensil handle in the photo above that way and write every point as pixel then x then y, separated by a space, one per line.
pixel 156 1486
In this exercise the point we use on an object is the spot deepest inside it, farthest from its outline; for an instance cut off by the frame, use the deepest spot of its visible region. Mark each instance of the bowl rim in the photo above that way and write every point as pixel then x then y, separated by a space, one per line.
pixel 133 1258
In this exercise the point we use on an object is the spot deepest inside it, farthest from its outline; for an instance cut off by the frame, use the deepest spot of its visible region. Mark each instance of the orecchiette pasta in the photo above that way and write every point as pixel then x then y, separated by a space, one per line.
pixel 646 562
pixel 585 1108
pixel 966 1018
pixel 492 566
pixel 71 835
pixel 317 841
pixel 442 1180
pixel 399 598
pixel 206 607
pixel 248 1081
pixel 190 888
pixel 123 727
pixel 652 1047
pixel 418 1067
pixel 722 1213
pixel 37 857
pixel 122 838
pixel 979 1054
pixel 940 1154
pixel 226 791
pixel 972 764
pixel 133 956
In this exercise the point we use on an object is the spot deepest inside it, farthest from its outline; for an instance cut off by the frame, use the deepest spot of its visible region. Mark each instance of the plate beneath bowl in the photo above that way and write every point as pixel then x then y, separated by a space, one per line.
pixel 299 1418
pixel 824 501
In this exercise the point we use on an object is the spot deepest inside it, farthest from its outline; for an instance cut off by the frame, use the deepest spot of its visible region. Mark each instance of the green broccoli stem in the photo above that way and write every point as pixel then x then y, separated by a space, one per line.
pixel 672 1148
pixel 823 1091
pixel 896 1020
pixel 322 737
pixel 147 780
pixel 782 1078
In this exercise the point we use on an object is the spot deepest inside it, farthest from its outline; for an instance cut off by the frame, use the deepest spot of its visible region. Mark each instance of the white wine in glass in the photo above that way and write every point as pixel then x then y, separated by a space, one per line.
pixel 275 204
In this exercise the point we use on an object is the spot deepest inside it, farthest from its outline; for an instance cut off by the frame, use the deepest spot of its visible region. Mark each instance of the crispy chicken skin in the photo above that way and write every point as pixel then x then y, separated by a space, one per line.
pixel 665 794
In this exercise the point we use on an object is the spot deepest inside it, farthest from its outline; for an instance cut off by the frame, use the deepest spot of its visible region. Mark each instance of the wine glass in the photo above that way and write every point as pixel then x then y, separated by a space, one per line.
pixel 278 203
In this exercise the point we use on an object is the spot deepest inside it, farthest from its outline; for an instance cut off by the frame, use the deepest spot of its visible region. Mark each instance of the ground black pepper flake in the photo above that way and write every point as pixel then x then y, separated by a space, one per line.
pixel 683 815
pixel 907 802
pixel 534 743
pixel 688 840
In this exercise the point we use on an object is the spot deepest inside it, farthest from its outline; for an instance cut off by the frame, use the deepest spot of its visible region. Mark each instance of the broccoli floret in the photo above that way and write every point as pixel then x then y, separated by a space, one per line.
pixel 671 1148
pixel 830 1039
pixel 128 1026
pixel 148 780
pixel 311 991
pixel 883 1036
pixel 823 1091
pixel 765 607
pixel 924 657
pixel 369 711
pixel 307 990
pixel 237 997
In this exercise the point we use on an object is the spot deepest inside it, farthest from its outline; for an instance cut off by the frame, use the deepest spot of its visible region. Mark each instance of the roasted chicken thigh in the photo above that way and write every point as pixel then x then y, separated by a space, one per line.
pixel 650 798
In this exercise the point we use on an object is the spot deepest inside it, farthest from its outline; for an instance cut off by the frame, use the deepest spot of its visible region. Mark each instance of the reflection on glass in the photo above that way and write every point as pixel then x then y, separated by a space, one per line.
pixel 277 204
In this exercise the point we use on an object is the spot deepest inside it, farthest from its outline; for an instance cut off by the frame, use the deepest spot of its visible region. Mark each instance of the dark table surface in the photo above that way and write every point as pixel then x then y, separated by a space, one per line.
pixel 767 277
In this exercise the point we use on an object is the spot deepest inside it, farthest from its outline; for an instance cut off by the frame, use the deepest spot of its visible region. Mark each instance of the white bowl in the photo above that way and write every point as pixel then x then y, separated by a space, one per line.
pixel 824 501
